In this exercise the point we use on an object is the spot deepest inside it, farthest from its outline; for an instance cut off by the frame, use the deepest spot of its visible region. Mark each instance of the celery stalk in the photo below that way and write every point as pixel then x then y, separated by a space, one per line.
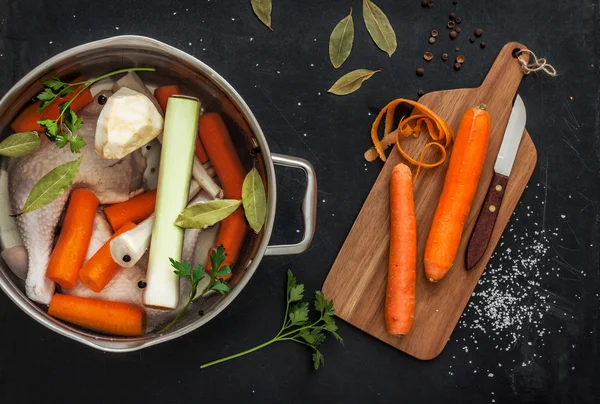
pixel 178 143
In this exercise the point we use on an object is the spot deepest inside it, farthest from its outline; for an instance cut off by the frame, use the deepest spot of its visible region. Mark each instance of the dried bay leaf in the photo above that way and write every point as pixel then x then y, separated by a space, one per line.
pixel 262 9
pixel 379 27
pixel 351 82
pixel 205 214
pixel 20 144
pixel 52 185
pixel 341 40
pixel 254 200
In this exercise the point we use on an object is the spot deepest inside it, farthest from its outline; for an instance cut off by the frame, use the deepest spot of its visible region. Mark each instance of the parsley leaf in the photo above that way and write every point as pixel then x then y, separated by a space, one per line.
pixel 194 276
pixel 297 326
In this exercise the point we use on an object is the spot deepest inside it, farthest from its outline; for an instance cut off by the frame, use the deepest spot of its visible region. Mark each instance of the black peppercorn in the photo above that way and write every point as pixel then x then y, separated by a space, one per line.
pixel 445 57
pixel 452 16
pixel 420 93
pixel 420 71
pixel 126 258
pixel 457 30
pixel 142 284
pixel 472 39
pixel 482 44
pixel 478 32
pixel 102 99
pixel 424 3
pixel 457 66
pixel 453 35
pixel 458 20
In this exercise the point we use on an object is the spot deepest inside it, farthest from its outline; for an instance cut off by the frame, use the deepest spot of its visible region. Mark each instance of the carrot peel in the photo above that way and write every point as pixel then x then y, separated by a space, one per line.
pixel 438 130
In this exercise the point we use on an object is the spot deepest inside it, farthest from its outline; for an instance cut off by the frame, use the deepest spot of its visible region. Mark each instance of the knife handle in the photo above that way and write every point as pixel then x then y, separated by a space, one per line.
pixel 480 237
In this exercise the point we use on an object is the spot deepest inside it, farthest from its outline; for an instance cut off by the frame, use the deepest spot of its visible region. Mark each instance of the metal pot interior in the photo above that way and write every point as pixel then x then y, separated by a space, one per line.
pixel 195 79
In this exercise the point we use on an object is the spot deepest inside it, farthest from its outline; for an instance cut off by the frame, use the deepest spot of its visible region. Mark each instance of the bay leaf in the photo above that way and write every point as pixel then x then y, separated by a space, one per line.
pixel 379 27
pixel 351 82
pixel 205 214
pixel 262 9
pixel 254 200
pixel 20 144
pixel 52 185
pixel 341 40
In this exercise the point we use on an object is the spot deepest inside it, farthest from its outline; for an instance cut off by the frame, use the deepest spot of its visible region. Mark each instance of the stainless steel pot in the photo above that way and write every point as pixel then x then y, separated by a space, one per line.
pixel 173 66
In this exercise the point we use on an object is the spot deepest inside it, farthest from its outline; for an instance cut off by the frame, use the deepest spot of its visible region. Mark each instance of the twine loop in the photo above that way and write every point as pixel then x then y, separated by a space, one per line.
pixel 538 64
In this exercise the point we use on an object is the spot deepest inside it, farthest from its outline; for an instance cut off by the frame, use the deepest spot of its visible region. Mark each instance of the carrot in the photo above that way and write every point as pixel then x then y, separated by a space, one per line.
pixel 221 152
pixel 402 269
pixel 114 318
pixel 71 248
pixel 460 185
pixel 223 157
pixel 99 270
pixel 162 95
pixel 28 118
pixel 134 210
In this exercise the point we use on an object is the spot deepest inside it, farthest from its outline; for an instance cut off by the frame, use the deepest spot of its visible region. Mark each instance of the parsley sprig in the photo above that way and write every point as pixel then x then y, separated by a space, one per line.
pixel 62 129
pixel 184 270
pixel 297 326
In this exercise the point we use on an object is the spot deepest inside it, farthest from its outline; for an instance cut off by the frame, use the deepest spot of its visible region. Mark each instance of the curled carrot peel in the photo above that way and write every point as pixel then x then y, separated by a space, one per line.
pixel 422 118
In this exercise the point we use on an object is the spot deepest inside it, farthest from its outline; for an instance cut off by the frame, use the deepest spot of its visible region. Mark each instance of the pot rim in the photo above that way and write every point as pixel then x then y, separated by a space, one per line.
pixel 106 343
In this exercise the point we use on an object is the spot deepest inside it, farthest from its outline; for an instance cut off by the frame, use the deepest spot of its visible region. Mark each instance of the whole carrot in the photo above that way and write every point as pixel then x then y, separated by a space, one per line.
pixel 70 250
pixel 99 270
pixel 223 157
pixel 402 275
pixel 100 315
pixel 134 210
pixel 28 119
pixel 162 95
pixel 222 154
pixel 460 185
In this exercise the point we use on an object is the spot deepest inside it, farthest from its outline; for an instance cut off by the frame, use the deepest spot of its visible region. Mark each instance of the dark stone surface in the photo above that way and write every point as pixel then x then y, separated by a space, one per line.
pixel 283 76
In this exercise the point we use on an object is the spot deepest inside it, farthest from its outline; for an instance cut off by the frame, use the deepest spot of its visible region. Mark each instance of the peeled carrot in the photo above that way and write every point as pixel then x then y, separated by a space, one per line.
pixel 99 270
pixel 27 119
pixel 460 185
pixel 134 210
pixel 402 268
pixel 68 255
pixel 162 95
pixel 221 152
pixel 100 315
pixel 231 234
pixel 223 157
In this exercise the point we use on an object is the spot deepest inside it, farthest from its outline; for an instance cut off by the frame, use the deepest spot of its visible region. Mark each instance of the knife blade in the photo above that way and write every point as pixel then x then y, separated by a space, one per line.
pixel 480 237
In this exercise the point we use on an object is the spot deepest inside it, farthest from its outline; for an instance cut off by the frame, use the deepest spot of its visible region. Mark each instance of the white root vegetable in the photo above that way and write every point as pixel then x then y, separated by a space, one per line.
pixel 151 153
pixel 128 121
pixel 176 160
pixel 134 243
pixel 205 180
pixel 133 81
pixel 13 251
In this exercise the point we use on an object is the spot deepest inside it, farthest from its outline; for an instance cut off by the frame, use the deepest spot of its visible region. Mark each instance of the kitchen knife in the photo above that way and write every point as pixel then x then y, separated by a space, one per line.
pixel 489 211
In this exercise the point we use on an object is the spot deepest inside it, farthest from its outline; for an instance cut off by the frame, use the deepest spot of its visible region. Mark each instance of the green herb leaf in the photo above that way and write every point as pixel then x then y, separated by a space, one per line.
pixel 299 314
pixel 50 126
pixel 254 200
pixel 318 359
pixel 379 27
pixel 52 185
pixel 76 144
pixel 206 214
pixel 296 293
pixel 197 274
pixel 322 305
pixel 72 121
pixel 20 144
pixel 224 271
pixel 55 83
pixel 181 268
pixel 262 9
pixel 217 256
pixel 291 281
pixel 221 287
pixel 351 82
pixel 340 41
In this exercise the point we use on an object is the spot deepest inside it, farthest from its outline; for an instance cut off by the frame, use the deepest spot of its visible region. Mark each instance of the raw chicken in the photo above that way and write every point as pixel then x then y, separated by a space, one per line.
pixel 111 180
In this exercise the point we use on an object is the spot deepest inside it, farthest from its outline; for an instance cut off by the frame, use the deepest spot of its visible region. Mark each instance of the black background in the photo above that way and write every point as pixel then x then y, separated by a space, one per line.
pixel 283 76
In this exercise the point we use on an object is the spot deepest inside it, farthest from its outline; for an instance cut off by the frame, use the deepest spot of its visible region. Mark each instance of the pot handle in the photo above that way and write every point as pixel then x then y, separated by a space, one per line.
pixel 309 206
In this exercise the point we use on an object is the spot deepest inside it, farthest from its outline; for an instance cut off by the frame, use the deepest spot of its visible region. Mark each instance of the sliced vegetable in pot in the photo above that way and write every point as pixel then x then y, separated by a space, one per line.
pixel 179 137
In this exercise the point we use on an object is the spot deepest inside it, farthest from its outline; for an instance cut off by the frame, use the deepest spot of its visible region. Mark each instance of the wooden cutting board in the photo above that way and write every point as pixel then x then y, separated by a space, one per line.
pixel 357 280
